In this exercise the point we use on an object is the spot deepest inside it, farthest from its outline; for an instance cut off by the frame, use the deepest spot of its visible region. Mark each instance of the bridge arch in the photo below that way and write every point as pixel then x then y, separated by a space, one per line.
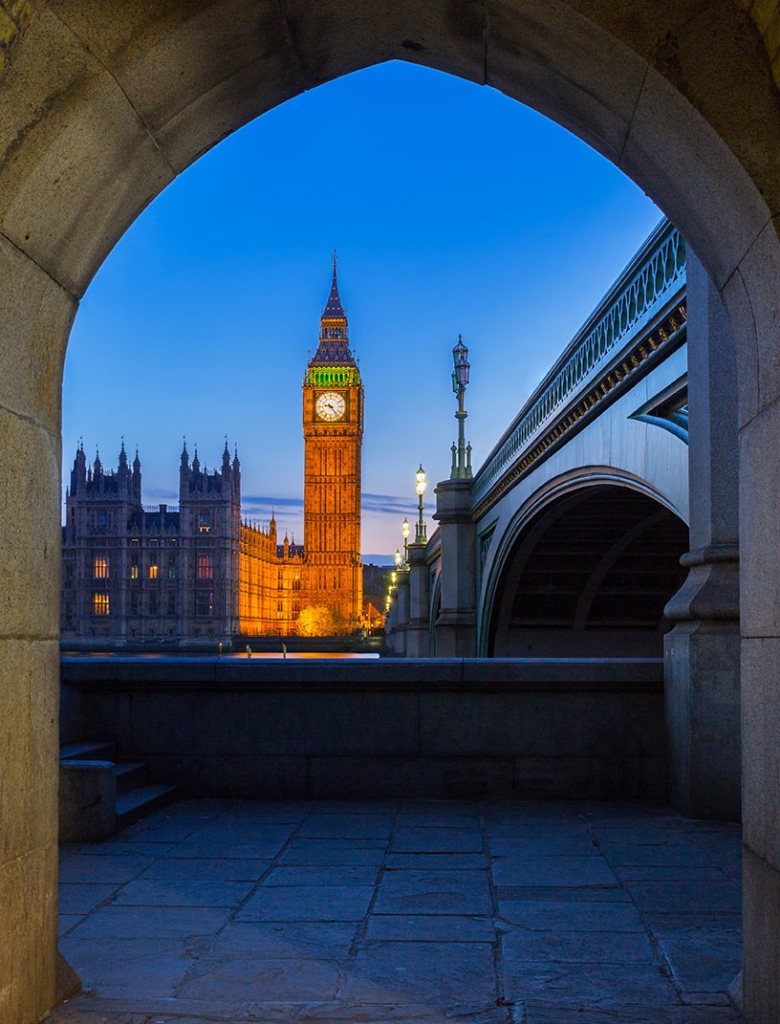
pixel 101 106
pixel 585 570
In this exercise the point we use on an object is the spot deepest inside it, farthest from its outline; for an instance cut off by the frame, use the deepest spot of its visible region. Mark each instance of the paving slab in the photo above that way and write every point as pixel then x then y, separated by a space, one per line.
pixel 668 873
pixel 418 912
pixel 672 852
pixel 232 869
pixel 107 869
pixel 151 922
pixel 435 861
pixel 552 871
pixel 355 826
pixel 67 921
pixel 433 972
pixel 534 846
pixel 430 928
pixel 691 896
pixel 84 897
pixel 571 947
pixel 183 893
pixel 343 874
pixel 327 852
pixel 283 939
pixel 437 840
pixel 262 979
pixel 565 893
pixel 434 892
pixel 603 986
pixel 557 916
pixel 308 903
pixel 111 967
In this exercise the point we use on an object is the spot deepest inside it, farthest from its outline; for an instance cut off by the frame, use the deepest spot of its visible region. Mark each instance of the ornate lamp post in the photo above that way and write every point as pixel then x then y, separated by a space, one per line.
pixel 420 535
pixel 461 455
pixel 405 530
pixel 398 560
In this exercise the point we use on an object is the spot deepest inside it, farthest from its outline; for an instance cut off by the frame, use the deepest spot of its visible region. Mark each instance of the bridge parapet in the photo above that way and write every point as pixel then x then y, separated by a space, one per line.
pixel 634 309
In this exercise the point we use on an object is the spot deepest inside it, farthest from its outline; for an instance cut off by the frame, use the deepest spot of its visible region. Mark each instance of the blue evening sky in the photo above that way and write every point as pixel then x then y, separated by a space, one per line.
pixel 453 209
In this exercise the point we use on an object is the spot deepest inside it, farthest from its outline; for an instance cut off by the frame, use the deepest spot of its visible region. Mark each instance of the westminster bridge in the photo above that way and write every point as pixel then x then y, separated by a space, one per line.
pixel 604 523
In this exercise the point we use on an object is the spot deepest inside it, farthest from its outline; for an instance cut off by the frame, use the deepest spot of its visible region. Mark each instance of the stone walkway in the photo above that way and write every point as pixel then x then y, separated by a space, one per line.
pixel 492 913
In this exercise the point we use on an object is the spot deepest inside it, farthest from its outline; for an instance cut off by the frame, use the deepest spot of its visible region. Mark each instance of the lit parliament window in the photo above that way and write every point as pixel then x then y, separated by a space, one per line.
pixel 100 605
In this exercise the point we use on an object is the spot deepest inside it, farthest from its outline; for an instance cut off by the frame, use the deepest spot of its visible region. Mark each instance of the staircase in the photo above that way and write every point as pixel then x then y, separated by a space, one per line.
pixel 100 796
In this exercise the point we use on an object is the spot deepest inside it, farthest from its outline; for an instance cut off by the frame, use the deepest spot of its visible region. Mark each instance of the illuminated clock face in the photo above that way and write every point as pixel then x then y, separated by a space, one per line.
pixel 330 406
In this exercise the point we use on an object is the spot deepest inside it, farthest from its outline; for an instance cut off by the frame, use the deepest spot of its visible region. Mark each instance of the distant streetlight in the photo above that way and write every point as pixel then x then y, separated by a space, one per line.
pixel 405 529
pixel 421 484
pixel 397 557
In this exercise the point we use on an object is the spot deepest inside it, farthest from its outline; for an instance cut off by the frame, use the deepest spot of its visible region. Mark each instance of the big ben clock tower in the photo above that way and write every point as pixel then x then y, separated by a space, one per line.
pixel 333 436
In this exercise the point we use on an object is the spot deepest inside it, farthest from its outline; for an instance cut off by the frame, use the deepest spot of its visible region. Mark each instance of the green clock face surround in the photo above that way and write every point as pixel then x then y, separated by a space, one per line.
pixel 330 406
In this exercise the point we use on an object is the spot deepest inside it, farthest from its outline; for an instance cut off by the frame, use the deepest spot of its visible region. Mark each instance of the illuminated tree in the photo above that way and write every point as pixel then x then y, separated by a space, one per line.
pixel 319 620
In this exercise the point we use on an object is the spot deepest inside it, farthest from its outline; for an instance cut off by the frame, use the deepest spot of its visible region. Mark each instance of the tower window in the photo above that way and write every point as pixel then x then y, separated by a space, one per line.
pixel 153 602
pixel 101 567
pixel 100 604
pixel 152 567
pixel 204 522
pixel 204 602
pixel 171 567
pixel 134 567
pixel 205 567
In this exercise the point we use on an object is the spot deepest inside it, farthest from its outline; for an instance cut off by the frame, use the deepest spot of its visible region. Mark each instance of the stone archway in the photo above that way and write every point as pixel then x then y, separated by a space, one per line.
pixel 102 105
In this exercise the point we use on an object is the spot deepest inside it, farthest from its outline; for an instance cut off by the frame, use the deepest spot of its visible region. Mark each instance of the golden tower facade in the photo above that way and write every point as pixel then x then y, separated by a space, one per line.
pixel 333 438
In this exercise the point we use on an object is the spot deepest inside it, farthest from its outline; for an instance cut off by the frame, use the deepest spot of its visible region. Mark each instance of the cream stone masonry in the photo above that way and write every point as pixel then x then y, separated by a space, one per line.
pixel 101 104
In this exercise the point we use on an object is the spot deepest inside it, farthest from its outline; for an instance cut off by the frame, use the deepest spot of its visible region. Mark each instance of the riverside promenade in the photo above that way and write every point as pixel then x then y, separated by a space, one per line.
pixel 327 912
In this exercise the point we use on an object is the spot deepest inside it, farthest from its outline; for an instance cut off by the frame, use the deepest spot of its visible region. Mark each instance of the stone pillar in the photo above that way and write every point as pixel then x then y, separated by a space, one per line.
pixel 456 623
pixel 702 652
pixel 418 639
pixel 391 625
pixel 35 315
pixel 402 615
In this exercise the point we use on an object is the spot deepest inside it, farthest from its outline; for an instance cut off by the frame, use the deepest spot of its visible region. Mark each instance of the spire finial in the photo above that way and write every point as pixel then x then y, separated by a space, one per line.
pixel 335 261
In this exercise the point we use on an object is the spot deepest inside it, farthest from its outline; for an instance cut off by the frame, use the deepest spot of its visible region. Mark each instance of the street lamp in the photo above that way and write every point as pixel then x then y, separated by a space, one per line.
pixel 461 456
pixel 421 484
pixel 405 529
pixel 397 557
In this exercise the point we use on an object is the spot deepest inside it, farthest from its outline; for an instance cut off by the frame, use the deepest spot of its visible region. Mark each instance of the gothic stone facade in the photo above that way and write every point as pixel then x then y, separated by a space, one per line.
pixel 199 571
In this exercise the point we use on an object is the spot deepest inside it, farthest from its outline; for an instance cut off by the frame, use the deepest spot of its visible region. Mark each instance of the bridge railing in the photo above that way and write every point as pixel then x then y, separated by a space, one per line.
pixel 641 293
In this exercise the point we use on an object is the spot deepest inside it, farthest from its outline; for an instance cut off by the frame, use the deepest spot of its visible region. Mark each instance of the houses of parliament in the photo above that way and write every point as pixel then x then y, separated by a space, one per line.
pixel 203 572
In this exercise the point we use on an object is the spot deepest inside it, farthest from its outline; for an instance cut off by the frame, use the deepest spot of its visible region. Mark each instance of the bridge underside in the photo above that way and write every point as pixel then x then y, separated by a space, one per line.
pixel 589 576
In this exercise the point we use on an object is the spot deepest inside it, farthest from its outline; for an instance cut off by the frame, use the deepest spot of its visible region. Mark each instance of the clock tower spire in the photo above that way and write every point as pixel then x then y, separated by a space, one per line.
pixel 333 437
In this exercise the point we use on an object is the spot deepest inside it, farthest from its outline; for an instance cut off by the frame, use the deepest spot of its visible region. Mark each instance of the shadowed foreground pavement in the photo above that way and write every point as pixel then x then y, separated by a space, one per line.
pixel 405 911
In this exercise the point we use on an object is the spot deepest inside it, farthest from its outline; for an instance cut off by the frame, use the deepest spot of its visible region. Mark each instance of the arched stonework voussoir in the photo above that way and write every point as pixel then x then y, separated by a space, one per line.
pixel 553 499
pixel 103 103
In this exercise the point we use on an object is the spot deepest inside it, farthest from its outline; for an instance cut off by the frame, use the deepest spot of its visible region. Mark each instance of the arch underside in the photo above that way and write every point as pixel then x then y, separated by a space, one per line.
pixel 589 576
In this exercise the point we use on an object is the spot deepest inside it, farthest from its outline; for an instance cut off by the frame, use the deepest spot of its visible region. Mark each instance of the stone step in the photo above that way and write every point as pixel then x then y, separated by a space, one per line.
pixel 142 801
pixel 88 750
pixel 129 775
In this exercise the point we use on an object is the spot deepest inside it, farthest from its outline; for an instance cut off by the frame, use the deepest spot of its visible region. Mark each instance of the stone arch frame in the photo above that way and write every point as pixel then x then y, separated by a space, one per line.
pixel 552 495
pixel 102 105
